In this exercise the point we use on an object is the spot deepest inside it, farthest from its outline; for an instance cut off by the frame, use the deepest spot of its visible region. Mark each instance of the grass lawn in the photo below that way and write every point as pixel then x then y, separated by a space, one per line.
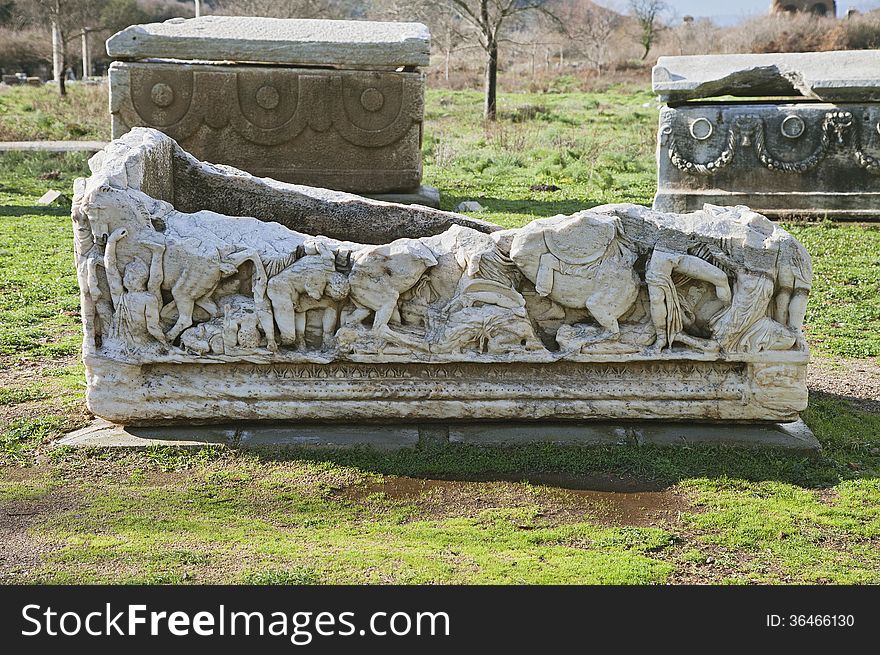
pixel 450 514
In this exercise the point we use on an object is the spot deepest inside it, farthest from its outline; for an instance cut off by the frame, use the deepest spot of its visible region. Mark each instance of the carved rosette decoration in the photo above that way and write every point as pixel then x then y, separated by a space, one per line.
pixel 619 283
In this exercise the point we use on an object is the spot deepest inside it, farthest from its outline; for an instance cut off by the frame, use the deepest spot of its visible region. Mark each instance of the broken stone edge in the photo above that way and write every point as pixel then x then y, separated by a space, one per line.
pixel 829 76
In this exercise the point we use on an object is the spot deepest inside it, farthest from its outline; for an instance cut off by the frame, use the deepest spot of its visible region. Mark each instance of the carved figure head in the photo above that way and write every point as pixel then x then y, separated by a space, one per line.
pixel 108 208
pixel 747 127
pixel 839 124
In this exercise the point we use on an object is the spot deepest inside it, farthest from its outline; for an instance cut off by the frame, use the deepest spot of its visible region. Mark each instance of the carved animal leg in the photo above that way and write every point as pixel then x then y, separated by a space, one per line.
pixel 357 317
pixel 706 345
pixel 283 310
pixel 780 309
pixel 185 306
pixel 797 309
pixel 300 330
pixel 208 305
pixel 702 270
pixel 658 317
pixel 328 325
pixel 384 314
pixel 267 323
pixel 607 320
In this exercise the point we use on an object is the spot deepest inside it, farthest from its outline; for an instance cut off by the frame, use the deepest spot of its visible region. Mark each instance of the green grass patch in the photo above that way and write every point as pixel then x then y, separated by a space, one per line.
pixel 22 436
pixel 18 395
pixel 40 113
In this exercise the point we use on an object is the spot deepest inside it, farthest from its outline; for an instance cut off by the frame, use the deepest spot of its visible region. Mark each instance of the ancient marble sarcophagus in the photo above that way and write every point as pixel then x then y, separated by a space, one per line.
pixel 803 141
pixel 209 295
pixel 335 104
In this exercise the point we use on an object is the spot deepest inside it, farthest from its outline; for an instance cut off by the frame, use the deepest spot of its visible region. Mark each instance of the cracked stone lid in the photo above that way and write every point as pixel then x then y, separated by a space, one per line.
pixel 852 75
pixel 285 41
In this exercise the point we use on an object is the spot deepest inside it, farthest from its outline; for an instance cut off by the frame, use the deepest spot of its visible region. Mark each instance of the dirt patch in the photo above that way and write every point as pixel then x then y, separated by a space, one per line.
pixel 19 372
pixel 20 553
pixel 559 499
pixel 855 380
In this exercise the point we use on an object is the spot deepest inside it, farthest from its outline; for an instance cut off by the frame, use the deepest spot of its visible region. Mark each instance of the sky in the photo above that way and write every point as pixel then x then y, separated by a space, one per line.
pixel 732 11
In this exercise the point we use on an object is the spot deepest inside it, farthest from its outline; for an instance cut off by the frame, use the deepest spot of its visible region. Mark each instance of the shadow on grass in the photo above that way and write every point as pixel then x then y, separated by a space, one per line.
pixel 33 210
pixel 850 439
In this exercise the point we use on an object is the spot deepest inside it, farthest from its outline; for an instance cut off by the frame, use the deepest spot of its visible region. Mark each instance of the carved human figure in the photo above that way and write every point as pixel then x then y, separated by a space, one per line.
pixel 307 277
pixel 136 295
pixel 666 309
pixel 329 306
pixel 379 275
pixel 794 280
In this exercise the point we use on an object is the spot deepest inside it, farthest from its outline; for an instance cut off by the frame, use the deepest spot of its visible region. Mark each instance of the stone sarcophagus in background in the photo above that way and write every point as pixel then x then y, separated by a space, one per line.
pixel 805 142
pixel 211 295
pixel 336 104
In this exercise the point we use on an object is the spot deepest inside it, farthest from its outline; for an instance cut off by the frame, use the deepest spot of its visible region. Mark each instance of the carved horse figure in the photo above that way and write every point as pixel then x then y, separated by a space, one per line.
pixel 195 260
pixel 582 261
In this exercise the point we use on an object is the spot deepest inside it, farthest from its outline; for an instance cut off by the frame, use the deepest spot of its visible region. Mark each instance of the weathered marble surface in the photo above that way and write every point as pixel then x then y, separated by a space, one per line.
pixel 348 130
pixel 781 157
pixel 851 75
pixel 208 295
pixel 778 158
pixel 252 39
pixel 332 104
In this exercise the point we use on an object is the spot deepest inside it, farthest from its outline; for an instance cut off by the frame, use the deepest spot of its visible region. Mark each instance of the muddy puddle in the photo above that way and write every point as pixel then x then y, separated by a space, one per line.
pixel 607 500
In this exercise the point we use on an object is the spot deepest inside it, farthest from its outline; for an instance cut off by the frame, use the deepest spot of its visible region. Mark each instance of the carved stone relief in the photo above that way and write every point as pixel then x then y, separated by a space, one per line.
pixel 777 158
pixel 617 311
pixel 307 126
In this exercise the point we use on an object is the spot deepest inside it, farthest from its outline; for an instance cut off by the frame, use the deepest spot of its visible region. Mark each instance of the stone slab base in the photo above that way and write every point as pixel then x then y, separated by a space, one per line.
pixel 835 206
pixel 425 195
pixel 102 434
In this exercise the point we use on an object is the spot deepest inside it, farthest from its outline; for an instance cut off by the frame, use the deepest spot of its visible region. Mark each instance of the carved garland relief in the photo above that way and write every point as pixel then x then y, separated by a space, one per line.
pixel 837 131
pixel 368 110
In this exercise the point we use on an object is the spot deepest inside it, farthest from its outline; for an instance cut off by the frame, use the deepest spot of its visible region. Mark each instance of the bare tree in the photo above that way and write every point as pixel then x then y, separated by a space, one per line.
pixel 647 14
pixel 67 20
pixel 491 19
pixel 286 8
pixel 589 28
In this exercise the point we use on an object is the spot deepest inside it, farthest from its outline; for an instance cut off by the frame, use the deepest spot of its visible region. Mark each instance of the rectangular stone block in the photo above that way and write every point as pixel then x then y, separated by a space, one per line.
pixel 357 131
pixel 212 296
pixel 818 159
pixel 766 387
pixel 332 104
pixel 256 39
pixel 850 75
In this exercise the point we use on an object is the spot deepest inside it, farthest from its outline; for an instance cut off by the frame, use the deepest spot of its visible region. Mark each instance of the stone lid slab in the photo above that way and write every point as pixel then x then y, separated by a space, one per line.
pixel 276 41
pixel 852 75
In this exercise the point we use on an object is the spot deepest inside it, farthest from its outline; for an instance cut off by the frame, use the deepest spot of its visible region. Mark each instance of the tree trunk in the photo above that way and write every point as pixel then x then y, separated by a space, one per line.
pixel 489 108
pixel 87 68
pixel 446 67
pixel 58 58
